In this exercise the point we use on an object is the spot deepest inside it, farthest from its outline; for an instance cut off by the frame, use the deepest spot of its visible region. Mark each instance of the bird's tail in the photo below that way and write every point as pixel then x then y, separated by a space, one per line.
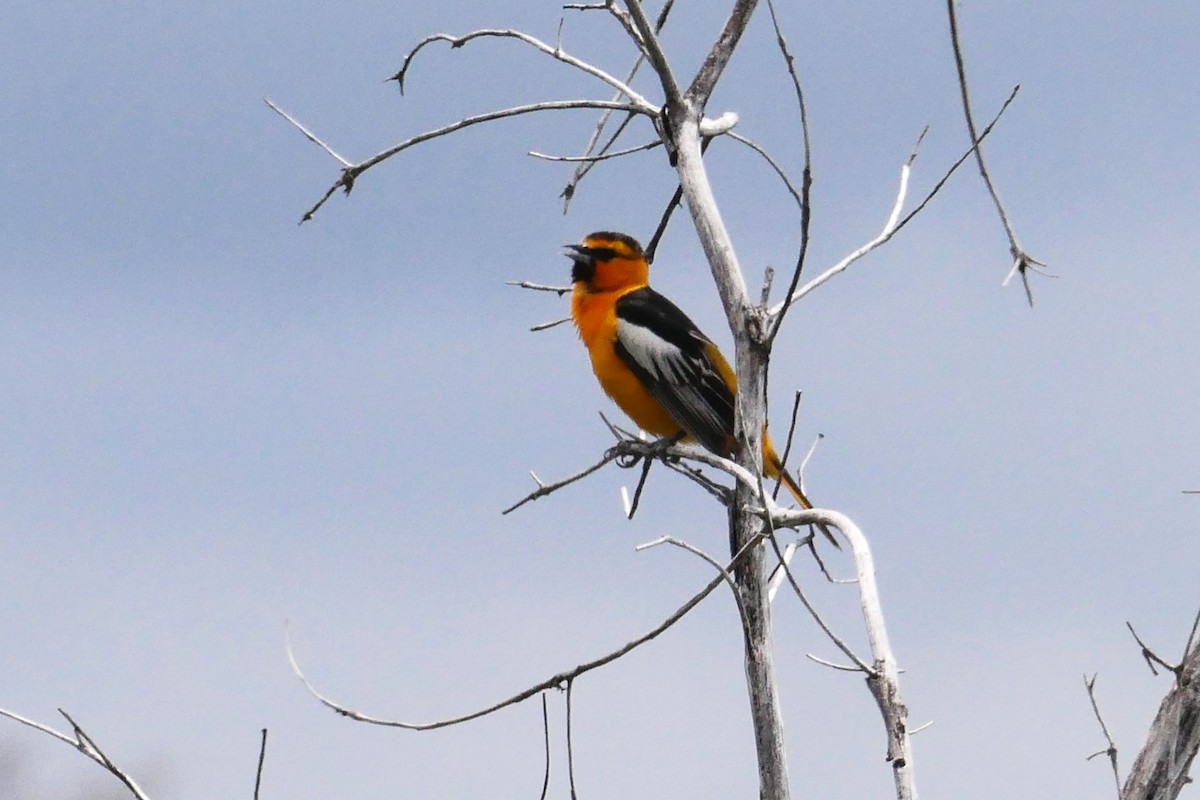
pixel 793 487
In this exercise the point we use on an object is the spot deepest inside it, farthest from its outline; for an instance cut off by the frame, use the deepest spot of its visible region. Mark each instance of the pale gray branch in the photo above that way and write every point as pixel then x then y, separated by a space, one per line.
pixel 350 174
pixel 696 551
pixel 1111 750
pixel 555 52
pixel 601 157
pixel 312 137
pixel 884 681
pixel 654 52
pixel 1022 261
pixel 889 229
pixel 84 744
pixel 559 680
pixel 1160 770
pixel 540 287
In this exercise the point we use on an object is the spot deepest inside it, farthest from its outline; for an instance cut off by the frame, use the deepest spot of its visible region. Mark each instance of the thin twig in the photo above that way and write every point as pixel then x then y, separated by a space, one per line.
pixel 549 488
pixel 1111 750
pixel 84 744
pixel 350 174
pixel 696 551
pixel 540 287
pixel 889 229
pixel 783 176
pixel 602 157
pixel 570 743
pixel 312 137
pixel 805 197
pixel 553 51
pixel 787 445
pixel 543 326
pixel 555 681
pixel 546 736
pixel 581 171
pixel 966 154
pixel 641 484
pixel 816 615
pixel 262 755
pixel 1022 261
pixel 894 225
pixel 654 52
pixel 1150 656
pixel 833 665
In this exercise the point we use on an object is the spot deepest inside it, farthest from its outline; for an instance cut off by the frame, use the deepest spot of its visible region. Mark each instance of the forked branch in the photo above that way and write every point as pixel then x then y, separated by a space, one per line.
pixel 884 677
pixel 1022 261
pixel 559 681
pixel 84 743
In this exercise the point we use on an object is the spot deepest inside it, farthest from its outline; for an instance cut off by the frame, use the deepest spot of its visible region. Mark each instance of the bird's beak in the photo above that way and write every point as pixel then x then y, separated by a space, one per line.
pixel 584 268
pixel 578 253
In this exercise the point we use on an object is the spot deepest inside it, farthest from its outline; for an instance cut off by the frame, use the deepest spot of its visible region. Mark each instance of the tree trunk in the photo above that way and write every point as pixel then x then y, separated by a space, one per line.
pixel 1161 769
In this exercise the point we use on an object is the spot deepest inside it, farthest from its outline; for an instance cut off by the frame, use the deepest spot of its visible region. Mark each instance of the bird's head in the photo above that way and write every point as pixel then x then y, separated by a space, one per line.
pixel 605 261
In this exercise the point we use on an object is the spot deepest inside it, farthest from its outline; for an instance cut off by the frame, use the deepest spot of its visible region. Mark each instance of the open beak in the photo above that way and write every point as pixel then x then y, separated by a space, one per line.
pixel 584 268
pixel 578 253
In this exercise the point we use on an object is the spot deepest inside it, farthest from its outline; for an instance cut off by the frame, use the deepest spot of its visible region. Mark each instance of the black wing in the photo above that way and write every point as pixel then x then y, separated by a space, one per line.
pixel 675 362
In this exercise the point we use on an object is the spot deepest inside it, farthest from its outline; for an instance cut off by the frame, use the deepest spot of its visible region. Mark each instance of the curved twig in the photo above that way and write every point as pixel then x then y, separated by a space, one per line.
pixel 884 683
pixel 600 157
pixel 351 173
pixel 1022 261
pixel 696 551
pixel 508 33
pixel 559 680
pixel 889 229
pixel 804 199
pixel 84 744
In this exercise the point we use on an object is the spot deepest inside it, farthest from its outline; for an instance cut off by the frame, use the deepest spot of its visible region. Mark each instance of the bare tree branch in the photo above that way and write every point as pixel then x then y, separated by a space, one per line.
pixel 654 51
pixel 560 680
pixel 548 325
pixel 884 683
pixel 696 551
pixel 570 738
pixel 351 173
pixel 718 57
pixel 262 756
pixel 805 197
pixel 1150 656
pixel 1111 750
pixel 601 157
pixel 84 744
pixel 1160 770
pixel 966 154
pixel 626 21
pixel 506 33
pixel 889 230
pixel 540 287
pixel 312 137
pixel 1022 261
pixel 546 735
pixel 894 225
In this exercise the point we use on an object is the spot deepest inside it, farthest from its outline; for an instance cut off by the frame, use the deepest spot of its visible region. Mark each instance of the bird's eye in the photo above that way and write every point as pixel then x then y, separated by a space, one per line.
pixel 602 253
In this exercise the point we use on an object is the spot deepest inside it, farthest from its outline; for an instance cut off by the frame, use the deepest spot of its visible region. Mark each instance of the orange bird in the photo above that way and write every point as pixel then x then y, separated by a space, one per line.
pixel 649 357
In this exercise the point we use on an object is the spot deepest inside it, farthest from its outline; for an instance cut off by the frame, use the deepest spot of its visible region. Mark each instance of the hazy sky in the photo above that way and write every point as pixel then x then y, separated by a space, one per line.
pixel 214 420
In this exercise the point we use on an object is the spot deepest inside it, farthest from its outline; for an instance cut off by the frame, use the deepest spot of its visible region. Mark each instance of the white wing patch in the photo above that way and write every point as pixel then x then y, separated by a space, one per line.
pixel 652 352
pixel 688 386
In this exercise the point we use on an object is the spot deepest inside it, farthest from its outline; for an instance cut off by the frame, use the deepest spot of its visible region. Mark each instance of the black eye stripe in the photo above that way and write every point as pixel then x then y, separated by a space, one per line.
pixel 602 253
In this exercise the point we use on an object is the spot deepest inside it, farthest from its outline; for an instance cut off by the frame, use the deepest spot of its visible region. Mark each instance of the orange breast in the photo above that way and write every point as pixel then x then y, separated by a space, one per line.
pixel 595 317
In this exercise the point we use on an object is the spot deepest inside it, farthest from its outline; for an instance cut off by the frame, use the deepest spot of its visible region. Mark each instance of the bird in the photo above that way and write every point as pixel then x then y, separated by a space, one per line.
pixel 648 355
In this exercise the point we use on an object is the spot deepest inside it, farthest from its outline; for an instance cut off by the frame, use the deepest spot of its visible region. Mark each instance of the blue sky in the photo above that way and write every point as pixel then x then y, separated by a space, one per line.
pixel 215 420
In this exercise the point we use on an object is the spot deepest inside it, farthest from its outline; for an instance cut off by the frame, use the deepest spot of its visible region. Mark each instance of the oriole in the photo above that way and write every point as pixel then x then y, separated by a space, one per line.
pixel 649 357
